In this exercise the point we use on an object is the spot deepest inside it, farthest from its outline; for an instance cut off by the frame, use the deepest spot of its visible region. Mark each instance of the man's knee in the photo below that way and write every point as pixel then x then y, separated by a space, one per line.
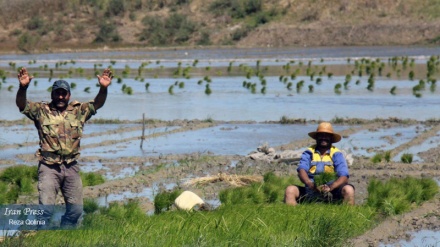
pixel 348 190
pixel 348 194
pixel 292 189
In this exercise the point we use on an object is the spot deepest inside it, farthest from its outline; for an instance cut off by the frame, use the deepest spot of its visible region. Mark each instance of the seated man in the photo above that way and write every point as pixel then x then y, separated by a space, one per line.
pixel 321 158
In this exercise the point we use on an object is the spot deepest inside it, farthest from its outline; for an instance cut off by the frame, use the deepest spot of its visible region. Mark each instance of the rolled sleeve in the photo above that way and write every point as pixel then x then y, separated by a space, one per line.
pixel 340 165
pixel 305 161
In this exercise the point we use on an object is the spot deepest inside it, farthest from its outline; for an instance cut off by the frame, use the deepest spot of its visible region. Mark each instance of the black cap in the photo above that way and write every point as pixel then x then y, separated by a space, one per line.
pixel 61 84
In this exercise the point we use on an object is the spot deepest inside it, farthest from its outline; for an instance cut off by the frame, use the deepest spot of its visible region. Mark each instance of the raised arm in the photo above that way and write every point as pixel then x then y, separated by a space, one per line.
pixel 24 79
pixel 104 80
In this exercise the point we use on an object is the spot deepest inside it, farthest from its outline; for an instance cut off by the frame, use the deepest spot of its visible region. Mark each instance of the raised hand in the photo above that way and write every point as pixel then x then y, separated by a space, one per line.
pixel 24 78
pixel 106 78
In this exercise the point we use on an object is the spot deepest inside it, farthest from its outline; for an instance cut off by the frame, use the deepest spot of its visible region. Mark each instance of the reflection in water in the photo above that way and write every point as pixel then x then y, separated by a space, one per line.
pixel 421 238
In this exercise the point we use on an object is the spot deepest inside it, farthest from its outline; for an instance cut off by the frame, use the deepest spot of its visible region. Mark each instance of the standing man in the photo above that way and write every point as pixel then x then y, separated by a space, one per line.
pixel 60 127
pixel 320 158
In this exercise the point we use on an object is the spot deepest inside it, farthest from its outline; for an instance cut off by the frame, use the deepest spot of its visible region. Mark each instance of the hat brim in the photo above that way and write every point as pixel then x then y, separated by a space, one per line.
pixel 336 137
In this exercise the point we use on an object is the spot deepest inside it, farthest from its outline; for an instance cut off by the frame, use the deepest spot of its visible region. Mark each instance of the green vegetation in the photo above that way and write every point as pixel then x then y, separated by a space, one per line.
pixel 324 178
pixel 174 30
pixel 22 180
pixel 256 76
pixel 164 200
pixel 377 158
pixel 107 33
pixel 91 178
pixel 407 158
pixel 258 218
pixel 271 191
pixel 397 195
pixel 91 23
pixel 271 225
pixel 15 181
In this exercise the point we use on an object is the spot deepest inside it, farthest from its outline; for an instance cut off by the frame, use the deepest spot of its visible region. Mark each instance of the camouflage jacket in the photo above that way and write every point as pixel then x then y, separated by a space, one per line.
pixel 59 134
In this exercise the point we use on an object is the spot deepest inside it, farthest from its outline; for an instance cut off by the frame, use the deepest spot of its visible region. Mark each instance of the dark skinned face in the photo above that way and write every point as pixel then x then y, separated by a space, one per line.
pixel 324 140
pixel 60 98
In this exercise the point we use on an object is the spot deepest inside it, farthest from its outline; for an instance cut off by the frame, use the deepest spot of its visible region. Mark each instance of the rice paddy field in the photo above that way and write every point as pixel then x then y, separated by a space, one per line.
pixel 205 111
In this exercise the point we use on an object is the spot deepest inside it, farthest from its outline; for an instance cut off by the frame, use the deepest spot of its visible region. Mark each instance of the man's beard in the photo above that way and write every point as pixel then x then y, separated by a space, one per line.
pixel 324 143
pixel 60 103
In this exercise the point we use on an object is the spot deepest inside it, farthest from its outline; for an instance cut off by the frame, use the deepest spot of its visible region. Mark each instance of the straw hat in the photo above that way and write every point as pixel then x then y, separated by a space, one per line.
pixel 325 127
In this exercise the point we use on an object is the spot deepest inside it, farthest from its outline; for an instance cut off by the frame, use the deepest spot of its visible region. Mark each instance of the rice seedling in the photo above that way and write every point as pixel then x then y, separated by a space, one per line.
pixel 17 180
pixel 324 178
pixel 207 79
pixel 147 86
pixel 299 86
pixel 253 88
pixel 312 76
pixel 411 75
pixel 164 200
pixel 337 88
pixel 292 76
pixel 128 90
pixel 72 85
pixel 432 87
pixel 208 90
pixel 171 90
pixel 318 81
pixel 252 215
pixel 346 85
pixel 397 195
pixel 10 88
pixel 311 88
pixel 263 90
pixel 377 158
pixel 417 94
pixel 387 156
pixel 348 77
pixel 406 158
pixel 393 90
pixel 270 191
pixel 91 178
pixel 90 206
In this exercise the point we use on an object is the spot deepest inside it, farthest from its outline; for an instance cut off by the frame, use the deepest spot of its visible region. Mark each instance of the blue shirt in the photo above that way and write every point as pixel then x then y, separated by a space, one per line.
pixel 332 161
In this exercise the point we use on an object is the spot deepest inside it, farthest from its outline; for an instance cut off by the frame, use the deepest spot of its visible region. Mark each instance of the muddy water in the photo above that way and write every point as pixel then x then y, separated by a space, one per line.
pixel 224 139
pixel 229 100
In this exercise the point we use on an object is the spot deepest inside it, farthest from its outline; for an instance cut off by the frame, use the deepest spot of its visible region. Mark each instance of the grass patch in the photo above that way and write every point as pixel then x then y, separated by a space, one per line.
pixel 249 216
pixel 241 225
pixel 398 195
pixel 17 180
pixel 270 191
pixel 407 158
pixel 164 200
pixel 91 178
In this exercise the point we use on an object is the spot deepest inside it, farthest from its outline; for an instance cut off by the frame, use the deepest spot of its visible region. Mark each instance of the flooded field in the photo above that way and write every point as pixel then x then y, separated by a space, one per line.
pixel 256 97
